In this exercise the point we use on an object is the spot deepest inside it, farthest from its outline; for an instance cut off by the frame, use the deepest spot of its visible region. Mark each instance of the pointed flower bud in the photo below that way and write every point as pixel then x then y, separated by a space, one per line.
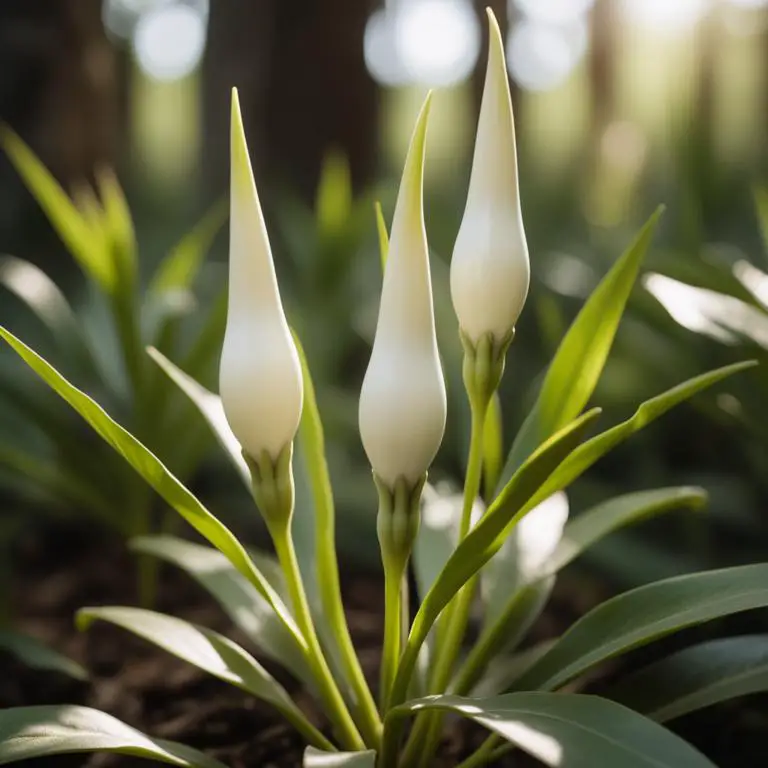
pixel 490 271
pixel 260 374
pixel 402 402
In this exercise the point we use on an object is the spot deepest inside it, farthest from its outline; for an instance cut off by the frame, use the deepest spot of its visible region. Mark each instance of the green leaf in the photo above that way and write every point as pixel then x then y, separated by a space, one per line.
pixel 211 409
pixel 589 527
pixel 30 732
pixel 598 446
pixel 314 758
pixel 178 270
pixel 576 367
pixel 643 615
pixel 381 229
pixel 119 228
pixel 570 730
pixel 333 204
pixel 504 670
pixel 38 656
pixel 697 677
pixel 209 651
pixel 85 246
pixel 761 207
pixel 157 475
pixel 493 447
pixel 523 555
pixel 486 538
pixel 246 607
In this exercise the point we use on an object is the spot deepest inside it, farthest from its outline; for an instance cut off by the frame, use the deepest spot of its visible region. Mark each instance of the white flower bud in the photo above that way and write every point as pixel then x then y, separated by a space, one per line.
pixel 490 271
pixel 402 402
pixel 260 374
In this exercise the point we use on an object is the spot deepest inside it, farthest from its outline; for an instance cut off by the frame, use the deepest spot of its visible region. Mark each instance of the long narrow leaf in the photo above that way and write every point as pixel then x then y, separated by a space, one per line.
pixel 314 758
pixel 210 408
pixel 156 474
pixel 579 361
pixel 32 732
pixel 570 730
pixel 589 527
pixel 646 614
pixel 697 677
pixel 39 656
pixel 485 539
pixel 596 447
pixel 74 231
pixel 242 602
pixel 209 651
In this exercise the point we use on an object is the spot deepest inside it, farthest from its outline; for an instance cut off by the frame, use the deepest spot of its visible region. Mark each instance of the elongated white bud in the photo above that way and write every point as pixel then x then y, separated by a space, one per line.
pixel 402 402
pixel 260 374
pixel 490 272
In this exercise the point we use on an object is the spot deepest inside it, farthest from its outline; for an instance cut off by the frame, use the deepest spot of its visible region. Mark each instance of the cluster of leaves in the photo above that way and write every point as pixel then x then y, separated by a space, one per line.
pixel 46 461
pixel 517 547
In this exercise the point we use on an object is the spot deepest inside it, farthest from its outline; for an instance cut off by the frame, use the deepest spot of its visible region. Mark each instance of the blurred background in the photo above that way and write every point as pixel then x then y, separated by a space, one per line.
pixel 620 105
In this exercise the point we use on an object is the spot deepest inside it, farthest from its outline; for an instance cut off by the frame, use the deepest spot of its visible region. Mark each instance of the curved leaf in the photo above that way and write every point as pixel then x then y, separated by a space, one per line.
pixel 580 358
pixel 210 408
pixel 697 677
pixel 209 651
pixel 157 475
pixel 178 270
pixel 39 656
pixel 586 529
pixel 241 601
pixel 645 614
pixel 85 245
pixel 29 732
pixel 314 758
pixel 485 539
pixel 598 446
pixel 570 730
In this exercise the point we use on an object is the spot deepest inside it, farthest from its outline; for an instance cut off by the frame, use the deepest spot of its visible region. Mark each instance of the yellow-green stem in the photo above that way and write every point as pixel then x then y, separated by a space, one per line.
pixel 393 627
pixel 490 749
pixel 337 709
pixel 451 628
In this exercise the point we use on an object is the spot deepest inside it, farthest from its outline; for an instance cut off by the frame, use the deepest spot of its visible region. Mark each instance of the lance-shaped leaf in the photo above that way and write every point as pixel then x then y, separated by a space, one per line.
pixel 241 601
pixel 30 732
pixel 210 408
pixel 570 730
pixel 646 614
pixel 157 475
pixel 598 446
pixel 39 656
pixel 697 677
pixel 81 240
pixel 576 367
pixel 314 758
pixel 209 651
pixel 484 540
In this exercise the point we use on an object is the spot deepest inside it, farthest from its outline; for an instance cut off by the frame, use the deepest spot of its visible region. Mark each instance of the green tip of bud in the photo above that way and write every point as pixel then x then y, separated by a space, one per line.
pixel 413 174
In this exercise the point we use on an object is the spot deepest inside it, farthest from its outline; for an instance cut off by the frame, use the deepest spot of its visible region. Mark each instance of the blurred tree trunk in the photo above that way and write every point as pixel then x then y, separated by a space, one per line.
pixel 303 86
pixel 57 92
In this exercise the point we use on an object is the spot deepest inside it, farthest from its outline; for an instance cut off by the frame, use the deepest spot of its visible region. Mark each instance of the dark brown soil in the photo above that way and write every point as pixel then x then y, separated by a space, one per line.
pixel 167 698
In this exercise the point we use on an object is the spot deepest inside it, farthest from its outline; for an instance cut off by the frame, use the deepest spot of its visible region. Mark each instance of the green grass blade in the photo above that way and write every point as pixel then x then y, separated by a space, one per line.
pixel 570 730
pixel 32 732
pixel 646 614
pixel 580 358
pixel 70 225
pixel 156 474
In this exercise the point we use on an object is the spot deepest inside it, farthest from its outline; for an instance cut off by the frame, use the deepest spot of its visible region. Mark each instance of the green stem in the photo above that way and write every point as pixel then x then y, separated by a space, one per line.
pixel 393 627
pixel 337 709
pixel 327 573
pixel 490 749
pixel 451 628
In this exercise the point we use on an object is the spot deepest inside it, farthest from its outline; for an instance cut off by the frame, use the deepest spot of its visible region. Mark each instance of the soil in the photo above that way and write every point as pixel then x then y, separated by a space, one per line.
pixel 167 698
